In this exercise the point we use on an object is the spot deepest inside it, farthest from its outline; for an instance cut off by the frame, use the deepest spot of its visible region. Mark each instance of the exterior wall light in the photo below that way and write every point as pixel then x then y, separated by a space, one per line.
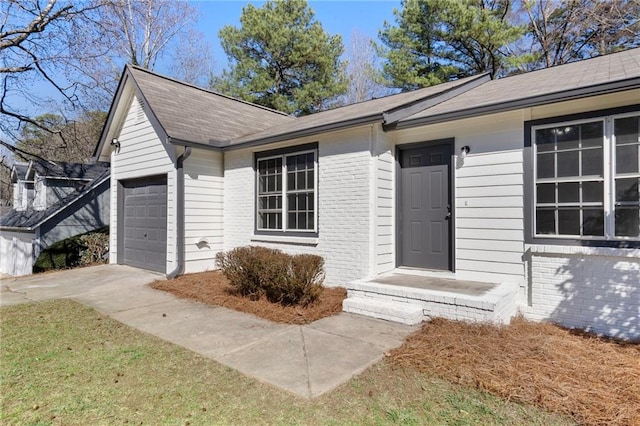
pixel 464 151
pixel 116 144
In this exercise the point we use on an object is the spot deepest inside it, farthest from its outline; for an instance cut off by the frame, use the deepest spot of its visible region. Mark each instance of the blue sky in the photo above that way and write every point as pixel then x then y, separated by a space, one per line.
pixel 336 17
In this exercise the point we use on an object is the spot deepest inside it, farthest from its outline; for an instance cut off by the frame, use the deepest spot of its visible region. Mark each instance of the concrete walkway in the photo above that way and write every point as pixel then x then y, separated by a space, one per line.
pixel 307 360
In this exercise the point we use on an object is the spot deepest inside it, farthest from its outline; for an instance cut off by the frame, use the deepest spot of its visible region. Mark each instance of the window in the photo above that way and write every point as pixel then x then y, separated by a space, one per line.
pixel 286 195
pixel 577 193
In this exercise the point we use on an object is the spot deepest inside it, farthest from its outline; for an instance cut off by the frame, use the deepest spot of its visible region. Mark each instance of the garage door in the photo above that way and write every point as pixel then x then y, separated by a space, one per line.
pixel 145 223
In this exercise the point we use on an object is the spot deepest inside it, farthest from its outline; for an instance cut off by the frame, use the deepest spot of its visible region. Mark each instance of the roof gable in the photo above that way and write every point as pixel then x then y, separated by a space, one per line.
pixel 19 171
pixel 188 114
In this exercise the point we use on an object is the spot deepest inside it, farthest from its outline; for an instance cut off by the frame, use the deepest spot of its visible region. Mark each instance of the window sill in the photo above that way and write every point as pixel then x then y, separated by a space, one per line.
pixel 285 239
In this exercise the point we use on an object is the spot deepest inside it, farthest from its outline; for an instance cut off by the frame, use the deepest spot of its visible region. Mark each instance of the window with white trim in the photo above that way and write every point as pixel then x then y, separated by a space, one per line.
pixel 586 178
pixel 286 192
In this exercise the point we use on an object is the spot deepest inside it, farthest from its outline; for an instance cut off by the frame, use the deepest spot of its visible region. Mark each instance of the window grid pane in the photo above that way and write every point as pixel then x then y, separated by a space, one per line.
pixel 568 199
pixel 627 177
pixel 298 191
pixel 270 194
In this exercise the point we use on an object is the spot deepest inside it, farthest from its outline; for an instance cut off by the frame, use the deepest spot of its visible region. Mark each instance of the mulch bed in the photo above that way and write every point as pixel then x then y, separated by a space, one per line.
pixel 594 380
pixel 213 288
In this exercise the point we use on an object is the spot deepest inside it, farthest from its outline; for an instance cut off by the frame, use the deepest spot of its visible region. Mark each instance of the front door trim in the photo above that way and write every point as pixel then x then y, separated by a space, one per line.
pixel 452 194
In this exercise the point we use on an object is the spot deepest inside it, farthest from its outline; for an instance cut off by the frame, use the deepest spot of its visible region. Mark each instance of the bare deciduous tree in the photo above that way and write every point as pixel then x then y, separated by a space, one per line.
pixel 35 56
pixel 64 57
pixel 577 29
pixel 362 70
pixel 192 61
pixel 143 33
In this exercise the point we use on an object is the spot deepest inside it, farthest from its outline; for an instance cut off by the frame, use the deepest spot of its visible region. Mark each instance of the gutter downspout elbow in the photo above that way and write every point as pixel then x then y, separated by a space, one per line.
pixel 179 270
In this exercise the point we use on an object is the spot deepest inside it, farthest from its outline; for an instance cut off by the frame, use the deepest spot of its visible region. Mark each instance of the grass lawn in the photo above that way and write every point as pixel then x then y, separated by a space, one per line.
pixel 62 363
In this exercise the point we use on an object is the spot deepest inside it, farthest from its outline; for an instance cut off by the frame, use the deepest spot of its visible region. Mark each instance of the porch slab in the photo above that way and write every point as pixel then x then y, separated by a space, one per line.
pixel 422 297
pixel 467 288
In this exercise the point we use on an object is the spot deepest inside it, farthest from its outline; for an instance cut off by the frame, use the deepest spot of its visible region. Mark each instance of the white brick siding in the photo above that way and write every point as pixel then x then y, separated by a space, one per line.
pixel 498 305
pixel 344 205
pixel 593 288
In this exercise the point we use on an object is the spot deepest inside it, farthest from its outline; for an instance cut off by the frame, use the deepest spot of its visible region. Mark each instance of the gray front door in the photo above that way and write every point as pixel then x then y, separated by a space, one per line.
pixel 145 223
pixel 425 207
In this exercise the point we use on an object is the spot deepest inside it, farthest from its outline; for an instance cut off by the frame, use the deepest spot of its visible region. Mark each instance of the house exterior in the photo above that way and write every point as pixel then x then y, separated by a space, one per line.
pixel 529 182
pixel 51 201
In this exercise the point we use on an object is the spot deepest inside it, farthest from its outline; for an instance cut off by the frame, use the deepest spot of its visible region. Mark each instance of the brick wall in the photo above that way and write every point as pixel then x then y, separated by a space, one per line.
pixel 585 287
pixel 344 169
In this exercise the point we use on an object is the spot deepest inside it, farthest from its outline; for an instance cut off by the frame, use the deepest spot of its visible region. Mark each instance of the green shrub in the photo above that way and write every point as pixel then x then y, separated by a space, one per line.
pixel 255 271
pixel 64 254
pixel 79 250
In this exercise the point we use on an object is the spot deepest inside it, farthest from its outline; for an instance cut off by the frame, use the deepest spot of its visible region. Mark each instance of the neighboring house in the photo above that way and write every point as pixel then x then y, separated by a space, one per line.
pixel 529 182
pixel 51 201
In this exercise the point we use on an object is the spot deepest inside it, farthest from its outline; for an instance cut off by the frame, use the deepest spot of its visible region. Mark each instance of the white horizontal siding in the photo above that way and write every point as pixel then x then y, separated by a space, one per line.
pixel 483 181
pixel 499 234
pixel 489 212
pixel 491 245
pixel 16 253
pixel 489 205
pixel 495 223
pixel 384 237
pixel 506 190
pixel 489 195
pixel 204 210
pixel 142 154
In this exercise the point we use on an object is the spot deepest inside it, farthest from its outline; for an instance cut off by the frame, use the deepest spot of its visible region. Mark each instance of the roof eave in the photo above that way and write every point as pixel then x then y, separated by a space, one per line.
pixel 311 131
pixel 582 92
pixel 213 145
pixel 18 228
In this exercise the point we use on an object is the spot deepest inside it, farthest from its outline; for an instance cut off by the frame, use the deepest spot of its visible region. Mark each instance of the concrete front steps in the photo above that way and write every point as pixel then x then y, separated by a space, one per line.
pixel 411 305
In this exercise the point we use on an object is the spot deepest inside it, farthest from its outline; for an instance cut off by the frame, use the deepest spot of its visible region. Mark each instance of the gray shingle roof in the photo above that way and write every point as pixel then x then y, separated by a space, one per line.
pixel 538 87
pixel 192 114
pixel 30 218
pixel 372 110
pixel 59 169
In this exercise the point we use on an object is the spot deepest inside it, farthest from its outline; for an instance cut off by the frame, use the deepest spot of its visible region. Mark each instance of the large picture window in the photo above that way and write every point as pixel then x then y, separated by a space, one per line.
pixel 286 192
pixel 586 178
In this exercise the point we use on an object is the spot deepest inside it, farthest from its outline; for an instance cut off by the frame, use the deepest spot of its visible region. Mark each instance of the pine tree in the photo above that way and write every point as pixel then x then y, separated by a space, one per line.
pixel 282 58
pixel 435 40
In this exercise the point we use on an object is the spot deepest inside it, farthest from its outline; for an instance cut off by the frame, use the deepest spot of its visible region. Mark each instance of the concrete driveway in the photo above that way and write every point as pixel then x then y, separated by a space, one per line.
pixel 82 283
pixel 307 360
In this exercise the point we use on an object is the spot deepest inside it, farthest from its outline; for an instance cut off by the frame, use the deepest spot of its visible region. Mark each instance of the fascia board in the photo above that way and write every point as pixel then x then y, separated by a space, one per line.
pixel 126 75
pixel 579 93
